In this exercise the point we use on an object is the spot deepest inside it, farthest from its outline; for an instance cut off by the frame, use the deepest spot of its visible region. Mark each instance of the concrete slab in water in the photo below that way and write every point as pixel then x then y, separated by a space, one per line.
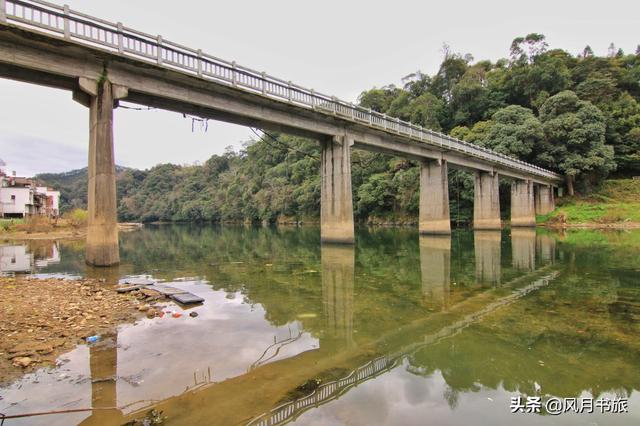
pixel 166 290
pixel 137 281
pixel 127 288
pixel 187 298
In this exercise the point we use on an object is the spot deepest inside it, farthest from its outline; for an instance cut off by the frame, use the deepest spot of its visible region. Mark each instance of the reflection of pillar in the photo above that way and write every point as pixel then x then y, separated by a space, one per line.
pixel 103 363
pixel 487 250
pixel 434 198
pixel 523 248
pixel 546 248
pixel 336 205
pixel 435 266
pixel 338 264
pixel 486 201
pixel 523 210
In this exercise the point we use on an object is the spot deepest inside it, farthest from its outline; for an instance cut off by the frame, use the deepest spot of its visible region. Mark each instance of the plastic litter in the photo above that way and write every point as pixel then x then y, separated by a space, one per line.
pixel 193 314
pixel 176 314
pixel 92 339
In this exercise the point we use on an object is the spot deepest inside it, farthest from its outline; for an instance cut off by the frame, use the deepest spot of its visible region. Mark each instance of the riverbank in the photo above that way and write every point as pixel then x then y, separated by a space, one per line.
pixel 615 205
pixel 53 230
pixel 43 318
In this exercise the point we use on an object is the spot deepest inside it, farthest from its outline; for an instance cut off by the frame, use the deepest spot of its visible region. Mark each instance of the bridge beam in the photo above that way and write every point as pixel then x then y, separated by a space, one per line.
pixel 434 198
pixel 522 203
pixel 545 200
pixel 102 227
pixel 336 205
pixel 486 203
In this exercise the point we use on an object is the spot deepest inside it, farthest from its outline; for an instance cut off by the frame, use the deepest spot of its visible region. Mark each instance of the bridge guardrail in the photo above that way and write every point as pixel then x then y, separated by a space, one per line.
pixel 73 25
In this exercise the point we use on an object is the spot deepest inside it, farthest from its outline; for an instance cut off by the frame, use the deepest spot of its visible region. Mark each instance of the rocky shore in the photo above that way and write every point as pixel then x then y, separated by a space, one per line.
pixel 42 318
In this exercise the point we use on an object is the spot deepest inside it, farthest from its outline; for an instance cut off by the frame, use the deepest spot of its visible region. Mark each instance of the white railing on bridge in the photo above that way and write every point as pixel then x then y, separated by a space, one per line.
pixel 72 25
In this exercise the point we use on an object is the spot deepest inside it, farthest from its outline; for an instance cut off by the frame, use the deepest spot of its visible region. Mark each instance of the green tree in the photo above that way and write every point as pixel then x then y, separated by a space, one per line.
pixel 575 130
pixel 515 131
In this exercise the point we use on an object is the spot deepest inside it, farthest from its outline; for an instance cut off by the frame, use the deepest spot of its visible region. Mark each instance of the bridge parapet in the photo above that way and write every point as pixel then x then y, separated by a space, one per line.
pixel 55 20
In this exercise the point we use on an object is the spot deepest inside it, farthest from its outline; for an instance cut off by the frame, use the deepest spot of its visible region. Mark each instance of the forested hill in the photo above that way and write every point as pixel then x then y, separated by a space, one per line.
pixel 576 114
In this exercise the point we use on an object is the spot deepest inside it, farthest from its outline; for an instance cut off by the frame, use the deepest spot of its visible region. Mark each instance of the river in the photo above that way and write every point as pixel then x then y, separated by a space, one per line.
pixel 399 329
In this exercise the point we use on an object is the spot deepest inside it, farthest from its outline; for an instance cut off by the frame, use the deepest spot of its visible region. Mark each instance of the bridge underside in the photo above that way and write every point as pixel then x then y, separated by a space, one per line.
pixel 38 58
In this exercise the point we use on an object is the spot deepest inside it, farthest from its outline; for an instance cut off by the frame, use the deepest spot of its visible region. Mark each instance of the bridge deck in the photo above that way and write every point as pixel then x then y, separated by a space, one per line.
pixel 51 45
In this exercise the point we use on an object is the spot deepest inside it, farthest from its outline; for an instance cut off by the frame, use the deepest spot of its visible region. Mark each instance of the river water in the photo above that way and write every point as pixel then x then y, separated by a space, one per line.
pixel 399 329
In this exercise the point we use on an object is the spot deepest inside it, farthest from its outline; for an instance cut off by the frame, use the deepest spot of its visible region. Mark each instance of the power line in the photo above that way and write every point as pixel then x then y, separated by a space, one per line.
pixel 282 145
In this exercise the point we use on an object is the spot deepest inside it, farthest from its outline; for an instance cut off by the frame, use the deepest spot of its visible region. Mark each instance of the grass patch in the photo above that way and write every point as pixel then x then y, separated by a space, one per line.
pixel 616 201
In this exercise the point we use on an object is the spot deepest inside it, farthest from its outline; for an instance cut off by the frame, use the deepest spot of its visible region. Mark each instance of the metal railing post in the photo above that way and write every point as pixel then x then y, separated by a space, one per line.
pixel 159 50
pixel 233 73
pixel 67 29
pixel 120 38
pixel 3 11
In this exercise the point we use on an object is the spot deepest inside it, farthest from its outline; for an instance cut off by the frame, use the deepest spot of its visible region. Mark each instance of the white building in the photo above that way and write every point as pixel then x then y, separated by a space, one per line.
pixel 20 197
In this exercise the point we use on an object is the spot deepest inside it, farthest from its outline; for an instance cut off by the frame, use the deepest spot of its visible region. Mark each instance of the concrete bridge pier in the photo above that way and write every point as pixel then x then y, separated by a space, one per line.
pixel 522 203
pixel 545 200
pixel 336 204
pixel 486 203
pixel 434 198
pixel 102 226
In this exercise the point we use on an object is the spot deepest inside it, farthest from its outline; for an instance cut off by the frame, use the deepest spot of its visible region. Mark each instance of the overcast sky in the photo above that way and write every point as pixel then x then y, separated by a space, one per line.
pixel 335 46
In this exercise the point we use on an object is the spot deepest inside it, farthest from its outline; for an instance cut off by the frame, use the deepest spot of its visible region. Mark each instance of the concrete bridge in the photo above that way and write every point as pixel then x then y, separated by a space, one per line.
pixel 102 63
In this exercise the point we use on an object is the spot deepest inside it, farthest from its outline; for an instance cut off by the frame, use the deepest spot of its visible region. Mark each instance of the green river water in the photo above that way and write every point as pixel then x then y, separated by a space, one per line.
pixel 399 329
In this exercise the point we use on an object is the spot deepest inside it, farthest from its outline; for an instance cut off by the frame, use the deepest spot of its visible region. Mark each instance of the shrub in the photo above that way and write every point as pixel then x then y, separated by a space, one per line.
pixel 77 218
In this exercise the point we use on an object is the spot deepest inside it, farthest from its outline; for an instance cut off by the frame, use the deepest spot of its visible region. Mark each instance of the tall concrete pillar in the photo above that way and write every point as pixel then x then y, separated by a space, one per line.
pixel 523 211
pixel 486 203
pixel 338 269
pixel 102 225
pixel 545 200
pixel 336 205
pixel 434 198
pixel 523 248
pixel 435 266
pixel 488 256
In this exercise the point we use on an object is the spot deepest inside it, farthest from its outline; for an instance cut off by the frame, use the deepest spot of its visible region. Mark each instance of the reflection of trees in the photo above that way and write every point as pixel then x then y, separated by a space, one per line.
pixel 563 338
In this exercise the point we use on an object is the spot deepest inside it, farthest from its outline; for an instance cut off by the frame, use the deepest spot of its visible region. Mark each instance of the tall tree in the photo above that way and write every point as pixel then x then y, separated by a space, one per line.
pixel 575 130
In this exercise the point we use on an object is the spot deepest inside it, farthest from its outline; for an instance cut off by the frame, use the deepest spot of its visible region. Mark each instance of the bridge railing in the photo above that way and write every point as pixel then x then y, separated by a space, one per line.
pixel 73 25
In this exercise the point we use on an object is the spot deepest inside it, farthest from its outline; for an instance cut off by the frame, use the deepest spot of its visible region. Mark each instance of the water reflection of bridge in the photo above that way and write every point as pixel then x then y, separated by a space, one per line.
pixel 332 390
pixel 338 345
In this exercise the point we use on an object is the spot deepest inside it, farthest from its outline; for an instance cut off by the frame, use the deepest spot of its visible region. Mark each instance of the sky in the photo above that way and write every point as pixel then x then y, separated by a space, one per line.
pixel 337 47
